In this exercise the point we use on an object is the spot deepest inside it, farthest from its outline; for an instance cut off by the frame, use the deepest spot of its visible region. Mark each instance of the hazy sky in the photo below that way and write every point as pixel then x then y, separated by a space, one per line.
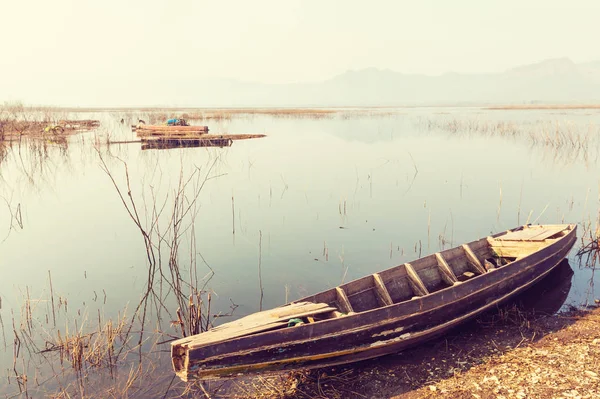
pixel 93 42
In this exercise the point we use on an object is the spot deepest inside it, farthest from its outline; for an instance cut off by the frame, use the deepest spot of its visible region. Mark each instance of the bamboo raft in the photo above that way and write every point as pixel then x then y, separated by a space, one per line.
pixel 162 130
pixel 382 313
pixel 159 143
pixel 204 140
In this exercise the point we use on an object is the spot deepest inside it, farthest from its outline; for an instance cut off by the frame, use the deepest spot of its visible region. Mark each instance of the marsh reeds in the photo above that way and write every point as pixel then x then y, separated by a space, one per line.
pixel 123 350
pixel 543 106
pixel 565 140
pixel 158 240
pixel 18 121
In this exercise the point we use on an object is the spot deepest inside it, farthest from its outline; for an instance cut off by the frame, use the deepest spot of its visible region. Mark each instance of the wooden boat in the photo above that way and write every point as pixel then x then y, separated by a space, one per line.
pixel 381 313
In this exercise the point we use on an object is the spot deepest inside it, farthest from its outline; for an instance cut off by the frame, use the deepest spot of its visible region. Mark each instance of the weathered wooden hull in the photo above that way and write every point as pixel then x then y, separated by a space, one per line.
pixel 372 333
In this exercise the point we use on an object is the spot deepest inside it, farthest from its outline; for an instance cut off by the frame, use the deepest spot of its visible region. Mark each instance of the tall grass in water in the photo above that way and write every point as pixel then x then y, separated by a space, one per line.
pixel 162 225
pixel 88 355
pixel 564 140
pixel 18 121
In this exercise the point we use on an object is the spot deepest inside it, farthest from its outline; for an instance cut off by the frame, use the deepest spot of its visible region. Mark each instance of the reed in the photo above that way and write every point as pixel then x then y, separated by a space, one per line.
pixel 563 138
pixel 18 121
pixel 260 284
pixel 232 216
pixel 52 299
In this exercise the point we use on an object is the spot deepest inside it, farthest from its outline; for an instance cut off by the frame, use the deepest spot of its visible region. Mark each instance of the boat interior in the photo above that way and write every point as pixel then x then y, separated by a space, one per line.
pixel 437 271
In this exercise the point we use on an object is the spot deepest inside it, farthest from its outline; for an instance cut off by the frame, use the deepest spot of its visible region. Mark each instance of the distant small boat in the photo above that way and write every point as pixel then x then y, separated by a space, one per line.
pixel 379 314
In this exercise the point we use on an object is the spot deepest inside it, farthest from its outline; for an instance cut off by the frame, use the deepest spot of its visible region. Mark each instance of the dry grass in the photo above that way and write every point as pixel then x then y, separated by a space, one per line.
pixel 231 113
pixel 565 140
pixel 562 364
pixel 216 115
pixel 85 350
pixel 18 121
pixel 542 106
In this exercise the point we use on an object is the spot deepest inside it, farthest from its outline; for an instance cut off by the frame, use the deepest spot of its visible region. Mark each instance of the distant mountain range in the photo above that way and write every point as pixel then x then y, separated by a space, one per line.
pixel 554 80
pixel 551 81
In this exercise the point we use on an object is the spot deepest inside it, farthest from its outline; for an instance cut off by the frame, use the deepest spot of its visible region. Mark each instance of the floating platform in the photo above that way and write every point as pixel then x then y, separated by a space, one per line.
pixel 169 143
pixel 204 140
pixel 162 130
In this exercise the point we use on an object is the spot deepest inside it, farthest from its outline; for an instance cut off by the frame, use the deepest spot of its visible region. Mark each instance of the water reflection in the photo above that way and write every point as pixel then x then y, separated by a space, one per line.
pixel 396 191
pixel 588 257
pixel 174 143
pixel 548 296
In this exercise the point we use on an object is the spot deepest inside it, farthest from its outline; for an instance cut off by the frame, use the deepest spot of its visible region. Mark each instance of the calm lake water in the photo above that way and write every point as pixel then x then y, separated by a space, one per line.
pixel 316 202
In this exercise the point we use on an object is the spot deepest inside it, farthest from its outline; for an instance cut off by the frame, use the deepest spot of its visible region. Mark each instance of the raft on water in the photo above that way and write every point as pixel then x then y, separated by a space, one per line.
pixel 204 140
pixel 164 130
pixel 382 313
pixel 159 143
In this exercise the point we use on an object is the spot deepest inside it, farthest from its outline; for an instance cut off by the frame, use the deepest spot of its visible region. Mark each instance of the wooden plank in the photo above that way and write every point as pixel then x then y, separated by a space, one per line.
pixel 445 270
pixel 295 309
pixel 512 252
pixel 415 281
pixel 382 291
pixel 531 233
pixel 514 249
pixel 473 260
pixel 343 300
pixel 208 137
pixel 531 246
pixel 170 133
pixel 258 322
pixel 172 128
pixel 547 233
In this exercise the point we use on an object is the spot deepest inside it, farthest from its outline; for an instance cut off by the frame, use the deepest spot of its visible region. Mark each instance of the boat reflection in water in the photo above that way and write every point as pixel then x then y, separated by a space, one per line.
pixel 169 143
pixel 549 295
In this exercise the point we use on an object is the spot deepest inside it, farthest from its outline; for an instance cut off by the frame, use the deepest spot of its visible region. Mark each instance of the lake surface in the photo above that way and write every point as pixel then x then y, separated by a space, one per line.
pixel 317 202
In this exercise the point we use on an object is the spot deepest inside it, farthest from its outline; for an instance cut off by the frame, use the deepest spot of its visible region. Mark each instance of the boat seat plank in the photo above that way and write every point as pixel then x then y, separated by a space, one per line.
pixel 343 300
pixel 446 272
pixel 473 260
pixel 531 233
pixel 415 281
pixel 382 291
pixel 256 323
pixel 515 249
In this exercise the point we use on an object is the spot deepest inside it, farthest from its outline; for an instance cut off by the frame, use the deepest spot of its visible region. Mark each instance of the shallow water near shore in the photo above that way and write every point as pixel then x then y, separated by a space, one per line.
pixel 317 202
